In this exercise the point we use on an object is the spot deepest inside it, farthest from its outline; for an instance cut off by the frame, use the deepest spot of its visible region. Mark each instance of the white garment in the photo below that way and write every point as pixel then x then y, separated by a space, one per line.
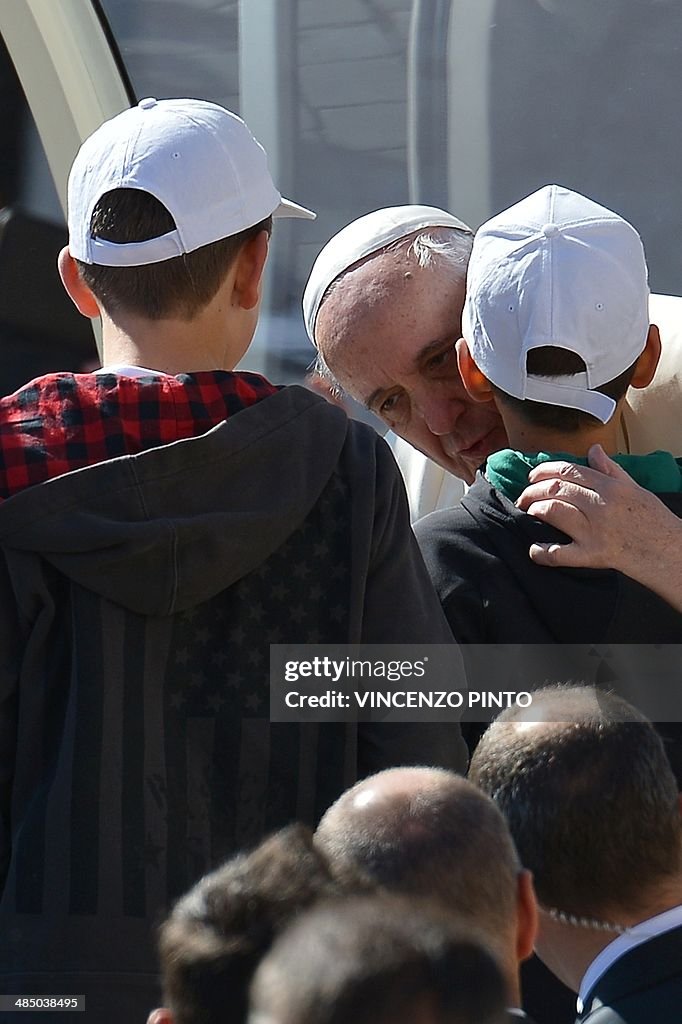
pixel 428 485
pixel 652 420
pixel 121 370
pixel 630 939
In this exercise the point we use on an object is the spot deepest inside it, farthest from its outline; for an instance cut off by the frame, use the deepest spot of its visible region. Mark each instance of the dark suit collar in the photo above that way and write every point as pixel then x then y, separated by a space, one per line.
pixel 647 965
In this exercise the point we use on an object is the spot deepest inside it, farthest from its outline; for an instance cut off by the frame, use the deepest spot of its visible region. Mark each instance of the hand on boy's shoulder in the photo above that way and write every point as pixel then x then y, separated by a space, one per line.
pixel 612 521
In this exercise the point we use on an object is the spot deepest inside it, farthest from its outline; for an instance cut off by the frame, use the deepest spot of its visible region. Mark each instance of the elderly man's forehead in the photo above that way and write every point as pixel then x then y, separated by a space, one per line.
pixel 376 274
pixel 372 288
pixel 362 293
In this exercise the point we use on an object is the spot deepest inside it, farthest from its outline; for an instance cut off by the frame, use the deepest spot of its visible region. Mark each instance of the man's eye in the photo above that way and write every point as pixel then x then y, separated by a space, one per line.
pixel 388 404
pixel 441 359
pixel 391 408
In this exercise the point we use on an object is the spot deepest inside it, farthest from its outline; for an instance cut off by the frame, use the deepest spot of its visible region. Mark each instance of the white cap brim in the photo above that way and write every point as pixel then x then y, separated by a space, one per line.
pixel 287 208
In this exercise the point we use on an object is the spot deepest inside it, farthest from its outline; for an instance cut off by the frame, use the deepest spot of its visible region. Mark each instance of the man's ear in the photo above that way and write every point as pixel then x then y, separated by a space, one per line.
pixel 648 360
pixel 79 293
pixel 161 1015
pixel 249 270
pixel 477 385
pixel 526 916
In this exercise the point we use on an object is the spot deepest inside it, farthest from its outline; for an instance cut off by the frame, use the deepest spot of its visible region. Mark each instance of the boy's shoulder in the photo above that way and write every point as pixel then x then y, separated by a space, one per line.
pixel 477 525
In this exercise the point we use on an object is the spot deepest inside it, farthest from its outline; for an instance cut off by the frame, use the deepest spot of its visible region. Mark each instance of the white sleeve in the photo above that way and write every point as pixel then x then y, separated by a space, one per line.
pixel 429 487
pixel 653 416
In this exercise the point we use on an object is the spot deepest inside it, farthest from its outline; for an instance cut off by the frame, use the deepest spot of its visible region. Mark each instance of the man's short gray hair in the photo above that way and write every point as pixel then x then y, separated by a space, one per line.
pixel 450 246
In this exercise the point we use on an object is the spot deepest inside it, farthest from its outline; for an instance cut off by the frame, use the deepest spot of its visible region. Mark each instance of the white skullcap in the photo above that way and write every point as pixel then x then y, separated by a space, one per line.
pixel 361 238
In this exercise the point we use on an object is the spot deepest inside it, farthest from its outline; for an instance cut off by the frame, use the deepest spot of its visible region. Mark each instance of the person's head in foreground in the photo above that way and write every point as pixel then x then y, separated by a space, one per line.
pixel 170 207
pixel 217 933
pixel 383 307
pixel 373 960
pixel 429 833
pixel 586 787
pixel 556 324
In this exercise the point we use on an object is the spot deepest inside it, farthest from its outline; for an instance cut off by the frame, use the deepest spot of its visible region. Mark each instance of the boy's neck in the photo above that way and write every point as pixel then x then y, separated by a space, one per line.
pixel 525 437
pixel 166 349
pixel 215 339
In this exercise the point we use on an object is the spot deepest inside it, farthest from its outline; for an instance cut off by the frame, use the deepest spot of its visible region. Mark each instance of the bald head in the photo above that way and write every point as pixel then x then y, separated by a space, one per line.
pixel 573 774
pixel 426 832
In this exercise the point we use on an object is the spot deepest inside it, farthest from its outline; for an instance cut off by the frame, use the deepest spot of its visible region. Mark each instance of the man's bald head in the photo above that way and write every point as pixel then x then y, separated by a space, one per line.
pixel 585 785
pixel 429 833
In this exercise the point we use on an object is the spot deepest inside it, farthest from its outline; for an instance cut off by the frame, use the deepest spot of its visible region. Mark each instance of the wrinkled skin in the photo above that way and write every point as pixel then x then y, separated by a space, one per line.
pixel 387 332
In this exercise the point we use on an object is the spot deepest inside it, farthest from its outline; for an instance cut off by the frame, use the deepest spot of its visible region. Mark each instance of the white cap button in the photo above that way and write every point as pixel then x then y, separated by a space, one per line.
pixel 147 103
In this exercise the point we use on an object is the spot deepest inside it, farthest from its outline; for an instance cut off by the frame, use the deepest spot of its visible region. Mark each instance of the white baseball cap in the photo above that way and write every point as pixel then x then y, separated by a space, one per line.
pixel 195 157
pixel 557 269
pixel 361 238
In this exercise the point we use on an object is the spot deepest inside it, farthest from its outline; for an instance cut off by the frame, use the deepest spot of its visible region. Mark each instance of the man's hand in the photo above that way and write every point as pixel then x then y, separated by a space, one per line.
pixel 613 522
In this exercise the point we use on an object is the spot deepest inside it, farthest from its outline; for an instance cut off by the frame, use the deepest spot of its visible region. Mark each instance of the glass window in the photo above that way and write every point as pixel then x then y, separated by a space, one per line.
pixel 40 329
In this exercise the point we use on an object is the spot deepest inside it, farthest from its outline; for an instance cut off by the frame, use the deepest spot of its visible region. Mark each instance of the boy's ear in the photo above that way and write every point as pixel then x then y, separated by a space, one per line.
pixel 79 293
pixel 648 360
pixel 476 383
pixel 250 263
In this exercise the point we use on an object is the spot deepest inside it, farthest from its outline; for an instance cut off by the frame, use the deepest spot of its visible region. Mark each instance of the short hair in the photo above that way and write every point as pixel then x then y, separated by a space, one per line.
pixel 443 246
pixel 376 961
pixel 590 799
pixel 215 935
pixel 444 841
pixel 551 361
pixel 178 287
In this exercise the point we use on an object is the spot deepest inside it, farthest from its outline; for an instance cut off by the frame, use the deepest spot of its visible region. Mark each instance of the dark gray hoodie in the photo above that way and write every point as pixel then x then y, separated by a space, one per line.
pixel 138 600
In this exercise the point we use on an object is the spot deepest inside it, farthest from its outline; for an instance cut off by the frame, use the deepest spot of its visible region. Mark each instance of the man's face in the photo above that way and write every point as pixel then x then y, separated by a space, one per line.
pixel 387 331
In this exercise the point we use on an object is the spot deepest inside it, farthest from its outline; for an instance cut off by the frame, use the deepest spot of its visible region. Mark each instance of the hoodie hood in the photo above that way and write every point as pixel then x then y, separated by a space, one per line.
pixel 166 529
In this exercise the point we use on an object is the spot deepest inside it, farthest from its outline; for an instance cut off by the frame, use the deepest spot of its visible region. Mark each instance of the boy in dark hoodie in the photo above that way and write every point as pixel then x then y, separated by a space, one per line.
pixel 163 521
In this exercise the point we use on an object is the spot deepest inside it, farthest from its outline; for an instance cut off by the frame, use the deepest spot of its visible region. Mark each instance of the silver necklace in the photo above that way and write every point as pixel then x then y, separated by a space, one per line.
pixel 592 923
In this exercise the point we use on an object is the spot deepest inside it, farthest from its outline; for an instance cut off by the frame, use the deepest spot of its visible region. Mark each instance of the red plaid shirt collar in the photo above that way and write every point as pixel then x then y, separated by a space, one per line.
pixel 65 421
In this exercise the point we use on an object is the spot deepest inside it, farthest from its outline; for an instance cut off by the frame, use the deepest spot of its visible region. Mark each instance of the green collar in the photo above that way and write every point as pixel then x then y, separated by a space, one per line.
pixel 508 470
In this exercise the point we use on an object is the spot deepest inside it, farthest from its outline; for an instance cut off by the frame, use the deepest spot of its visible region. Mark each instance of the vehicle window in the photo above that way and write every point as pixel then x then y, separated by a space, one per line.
pixel 40 330
pixel 468 104
pixel 588 94
pixel 323 86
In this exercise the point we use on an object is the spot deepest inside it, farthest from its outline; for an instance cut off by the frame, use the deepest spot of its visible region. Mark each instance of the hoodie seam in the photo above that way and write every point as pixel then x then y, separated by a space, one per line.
pixel 176 573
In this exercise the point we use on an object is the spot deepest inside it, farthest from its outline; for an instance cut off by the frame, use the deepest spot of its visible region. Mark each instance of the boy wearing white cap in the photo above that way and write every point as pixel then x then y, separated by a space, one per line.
pixel 162 522
pixel 555 329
